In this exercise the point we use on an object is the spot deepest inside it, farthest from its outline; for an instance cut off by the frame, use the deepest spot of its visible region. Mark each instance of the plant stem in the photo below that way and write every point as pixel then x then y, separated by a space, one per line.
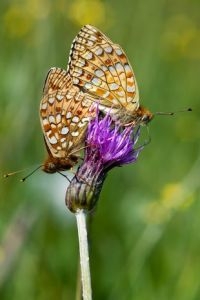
pixel 84 255
pixel 78 284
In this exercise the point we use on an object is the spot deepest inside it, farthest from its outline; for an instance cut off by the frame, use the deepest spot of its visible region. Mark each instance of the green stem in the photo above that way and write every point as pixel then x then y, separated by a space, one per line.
pixel 84 255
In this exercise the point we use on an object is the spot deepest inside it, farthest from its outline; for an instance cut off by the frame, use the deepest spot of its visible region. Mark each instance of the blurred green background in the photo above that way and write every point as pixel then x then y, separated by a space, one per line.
pixel 145 233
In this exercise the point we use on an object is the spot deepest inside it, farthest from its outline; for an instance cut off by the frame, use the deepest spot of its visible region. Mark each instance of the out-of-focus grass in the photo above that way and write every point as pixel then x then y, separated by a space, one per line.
pixel 145 233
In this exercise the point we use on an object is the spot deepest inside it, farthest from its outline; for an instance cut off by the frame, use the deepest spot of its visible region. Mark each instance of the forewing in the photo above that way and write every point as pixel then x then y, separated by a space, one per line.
pixel 64 113
pixel 101 68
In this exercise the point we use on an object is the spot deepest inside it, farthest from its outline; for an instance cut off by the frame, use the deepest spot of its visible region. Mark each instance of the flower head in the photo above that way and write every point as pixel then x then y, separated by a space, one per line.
pixel 108 145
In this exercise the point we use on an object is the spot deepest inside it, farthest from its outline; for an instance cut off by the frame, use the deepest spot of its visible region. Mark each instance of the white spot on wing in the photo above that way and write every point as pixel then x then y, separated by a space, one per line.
pixel 52 119
pixel 58 118
pixel 51 100
pixel 79 71
pixel 44 105
pixel 64 130
pixel 68 115
pixel 130 89
pixel 75 81
pixel 69 96
pixel 90 43
pixel 45 121
pixel 109 49
pixel 96 81
pixel 118 51
pixel 113 86
pixel 81 62
pixel 93 38
pixel 89 55
pixel 119 68
pixel 127 68
pixel 75 133
pixel 75 119
pixel 99 73
pixel 104 68
pixel 88 85
pixel 112 70
pixel 59 97
pixel 53 140
pixel 99 51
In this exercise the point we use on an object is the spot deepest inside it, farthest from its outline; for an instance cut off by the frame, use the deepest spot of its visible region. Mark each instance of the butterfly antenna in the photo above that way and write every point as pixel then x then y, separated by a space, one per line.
pixel 23 179
pixel 172 113
pixel 64 176
pixel 74 175
pixel 12 173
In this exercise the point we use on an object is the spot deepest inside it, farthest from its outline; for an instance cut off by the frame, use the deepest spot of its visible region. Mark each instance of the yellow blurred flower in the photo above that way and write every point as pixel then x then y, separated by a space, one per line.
pixel 19 18
pixel 172 199
pixel 87 12
pixel 171 195
pixel 181 38
pixel 16 22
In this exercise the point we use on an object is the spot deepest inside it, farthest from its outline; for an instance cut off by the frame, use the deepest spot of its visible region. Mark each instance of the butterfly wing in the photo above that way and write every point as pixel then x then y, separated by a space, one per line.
pixel 64 113
pixel 102 69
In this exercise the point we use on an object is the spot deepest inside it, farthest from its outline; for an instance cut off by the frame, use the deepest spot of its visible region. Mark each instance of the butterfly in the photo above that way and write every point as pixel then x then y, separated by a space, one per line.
pixel 101 69
pixel 65 111
pixel 98 75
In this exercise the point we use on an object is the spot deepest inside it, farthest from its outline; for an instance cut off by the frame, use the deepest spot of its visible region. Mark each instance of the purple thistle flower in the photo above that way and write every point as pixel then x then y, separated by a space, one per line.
pixel 108 145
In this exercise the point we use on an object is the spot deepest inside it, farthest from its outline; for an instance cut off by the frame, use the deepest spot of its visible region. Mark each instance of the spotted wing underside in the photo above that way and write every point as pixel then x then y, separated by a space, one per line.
pixel 102 69
pixel 64 113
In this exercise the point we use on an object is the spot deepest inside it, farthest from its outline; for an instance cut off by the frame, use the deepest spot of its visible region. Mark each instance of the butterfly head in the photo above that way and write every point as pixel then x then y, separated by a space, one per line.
pixel 144 116
pixel 52 164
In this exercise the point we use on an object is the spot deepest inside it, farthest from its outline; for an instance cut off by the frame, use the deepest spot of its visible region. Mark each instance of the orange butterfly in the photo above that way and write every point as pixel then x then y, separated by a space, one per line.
pixel 101 69
pixel 64 114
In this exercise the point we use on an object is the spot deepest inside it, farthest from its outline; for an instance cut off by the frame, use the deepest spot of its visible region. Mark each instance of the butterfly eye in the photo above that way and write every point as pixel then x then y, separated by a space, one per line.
pixel 146 118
